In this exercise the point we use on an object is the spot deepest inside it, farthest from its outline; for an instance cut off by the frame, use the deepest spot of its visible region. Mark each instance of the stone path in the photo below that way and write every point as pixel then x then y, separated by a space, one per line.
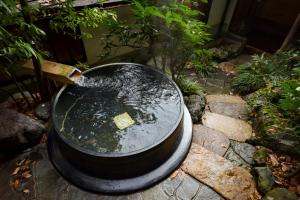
pixel 216 167
pixel 215 171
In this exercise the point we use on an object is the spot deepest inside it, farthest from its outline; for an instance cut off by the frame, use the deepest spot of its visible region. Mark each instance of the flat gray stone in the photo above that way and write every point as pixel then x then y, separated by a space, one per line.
pixel 234 129
pixel 154 193
pixel 235 110
pixel 47 180
pixel 220 174
pixel 236 160
pixel 210 139
pixel 232 106
pixel 171 184
pixel 206 193
pixel 224 98
pixel 244 150
pixel 188 189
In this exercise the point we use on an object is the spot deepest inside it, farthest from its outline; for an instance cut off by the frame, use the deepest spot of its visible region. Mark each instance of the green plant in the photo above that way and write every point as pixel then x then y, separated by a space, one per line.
pixel 189 87
pixel 18 38
pixel 22 39
pixel 202 62
pixel 278 105
pixel 264 69
pixel 290 96
pixel 68 19
pixel 170 30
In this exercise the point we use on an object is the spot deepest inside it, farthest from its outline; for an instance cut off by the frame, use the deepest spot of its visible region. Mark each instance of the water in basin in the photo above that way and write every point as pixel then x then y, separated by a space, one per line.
pixel 120 109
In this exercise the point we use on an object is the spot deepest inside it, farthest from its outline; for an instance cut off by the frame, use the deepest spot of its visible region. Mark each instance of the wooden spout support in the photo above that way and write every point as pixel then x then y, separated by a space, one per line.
pixel 55 71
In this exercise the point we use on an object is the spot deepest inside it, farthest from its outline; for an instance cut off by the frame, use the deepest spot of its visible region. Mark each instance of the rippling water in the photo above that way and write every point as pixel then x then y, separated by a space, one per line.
pixel 148 97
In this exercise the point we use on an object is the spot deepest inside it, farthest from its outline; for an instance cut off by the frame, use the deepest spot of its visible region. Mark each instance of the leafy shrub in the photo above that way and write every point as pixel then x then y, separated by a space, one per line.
pixel 169 29
pixel 264 69
pixel 278 105
pixel 247 82
pixel 188 87
pixel 202 62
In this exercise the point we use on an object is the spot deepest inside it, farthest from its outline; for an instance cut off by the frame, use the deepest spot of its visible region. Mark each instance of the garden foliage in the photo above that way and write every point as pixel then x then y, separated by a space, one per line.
pixel 275 105
pixel 170 30
pixel 21 37
pixel 264 69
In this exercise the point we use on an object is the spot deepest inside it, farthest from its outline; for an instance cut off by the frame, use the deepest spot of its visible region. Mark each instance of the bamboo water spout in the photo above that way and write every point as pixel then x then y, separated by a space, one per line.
pixel 55 71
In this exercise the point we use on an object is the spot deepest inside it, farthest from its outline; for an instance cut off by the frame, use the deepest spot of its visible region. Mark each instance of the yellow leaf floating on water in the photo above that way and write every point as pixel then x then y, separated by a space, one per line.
pixel 123 121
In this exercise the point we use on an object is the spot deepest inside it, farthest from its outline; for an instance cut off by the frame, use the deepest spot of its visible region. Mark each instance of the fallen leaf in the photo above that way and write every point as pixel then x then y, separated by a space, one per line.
pixel 21 162
pixel 16 171
pixel 274 160
pixel 26 174
pixel 24 168
pixel 16 184
pixel 278 182
pixel 27 162
pixel 174 174
pixel 285 167
pixel 26 191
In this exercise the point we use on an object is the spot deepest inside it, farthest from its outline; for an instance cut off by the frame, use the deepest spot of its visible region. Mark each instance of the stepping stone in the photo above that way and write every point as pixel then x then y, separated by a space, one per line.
pixel 232 106
pixel 236 159
pixel 220 174
pixel 206 193
pixel 244 150
pixel 210 139
pixel 234 129
pixel 224 98
pixel 235 110
pixel 188 188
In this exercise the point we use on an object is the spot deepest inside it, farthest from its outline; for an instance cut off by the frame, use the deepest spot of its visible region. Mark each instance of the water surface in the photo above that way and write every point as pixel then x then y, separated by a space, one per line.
pixel 86 111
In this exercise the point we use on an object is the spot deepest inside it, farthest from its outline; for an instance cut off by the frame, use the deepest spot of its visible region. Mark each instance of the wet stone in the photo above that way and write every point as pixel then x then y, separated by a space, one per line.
pixel 244 150
pixel 42 111
pixel 220 174
pixel 265 179
pixel 234 129
pixel 48 181
pixel 18 131
pixel 195 105
pixel 171 184
pixel 235 110
pixel 188 189
pixel 206 193
pixel 280 194
pixel 224 98
pixel 154 193
pixel 235 159
pixel 210 139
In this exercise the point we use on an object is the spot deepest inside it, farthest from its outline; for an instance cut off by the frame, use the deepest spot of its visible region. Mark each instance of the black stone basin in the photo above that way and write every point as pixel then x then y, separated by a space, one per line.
pixel 125 127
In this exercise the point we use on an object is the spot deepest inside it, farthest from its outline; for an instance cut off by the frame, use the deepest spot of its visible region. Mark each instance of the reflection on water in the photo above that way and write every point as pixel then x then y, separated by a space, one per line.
pixel 148 97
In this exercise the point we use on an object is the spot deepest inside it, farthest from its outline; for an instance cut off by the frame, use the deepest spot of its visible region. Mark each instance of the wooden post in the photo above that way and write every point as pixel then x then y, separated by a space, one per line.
pixel 36 62
pixel 291 34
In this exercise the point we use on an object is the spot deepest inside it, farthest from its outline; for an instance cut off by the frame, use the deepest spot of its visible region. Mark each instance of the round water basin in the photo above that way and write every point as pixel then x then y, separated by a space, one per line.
pixel 123 128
